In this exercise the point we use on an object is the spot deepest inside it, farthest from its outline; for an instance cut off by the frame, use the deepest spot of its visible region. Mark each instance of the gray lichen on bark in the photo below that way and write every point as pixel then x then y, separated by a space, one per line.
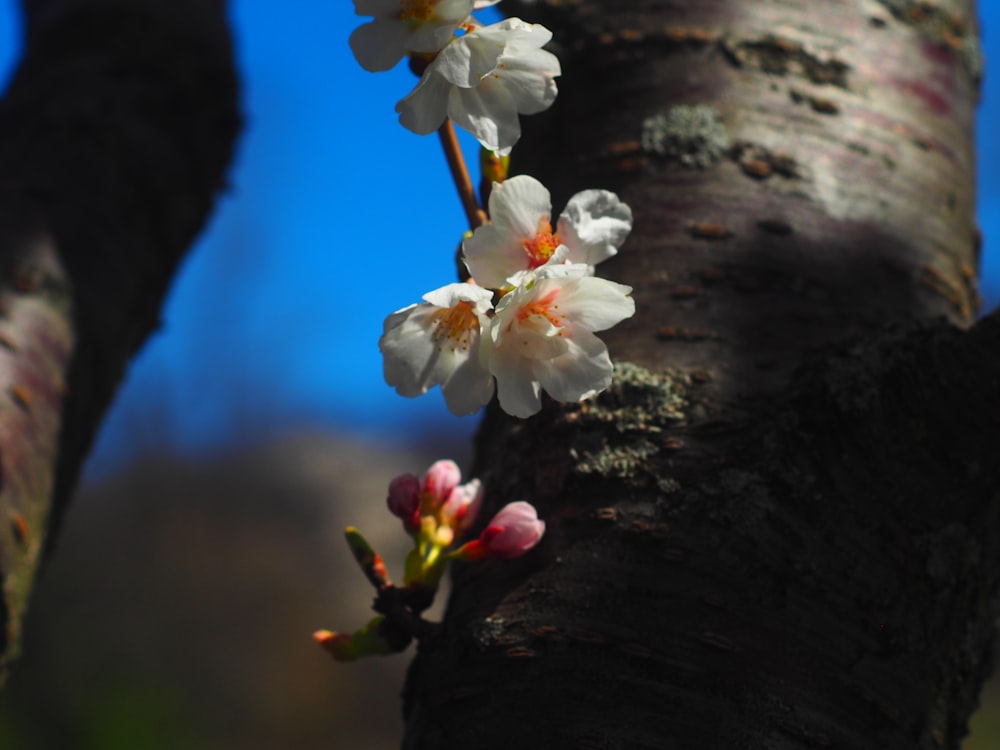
pixel 691 135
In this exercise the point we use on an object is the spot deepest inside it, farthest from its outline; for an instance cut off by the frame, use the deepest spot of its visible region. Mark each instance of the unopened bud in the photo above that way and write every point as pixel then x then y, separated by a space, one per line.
pixel 511 532
pixel 404 500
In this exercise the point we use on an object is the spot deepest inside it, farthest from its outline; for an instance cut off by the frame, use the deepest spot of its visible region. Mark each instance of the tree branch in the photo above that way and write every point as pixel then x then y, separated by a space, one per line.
pixel 115 135
pixel 778 527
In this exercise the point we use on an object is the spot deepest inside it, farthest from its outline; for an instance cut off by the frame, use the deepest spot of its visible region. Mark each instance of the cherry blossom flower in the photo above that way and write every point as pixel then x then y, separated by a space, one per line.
pixel 482 81
pixel 514 530
pixel 542 337
pixel 437 342
pixel 520 237
pixel 401 26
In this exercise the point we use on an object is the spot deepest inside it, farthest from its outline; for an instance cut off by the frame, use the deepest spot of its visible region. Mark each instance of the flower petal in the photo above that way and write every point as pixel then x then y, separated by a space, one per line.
pixel 529 78
pixel 580 373
pixel 467 60
pixel 380 44
pixel 488 112
pixel 425 108
pixel 596 304
pixel 493 255
pixel 470 386
pixel 436 33
pixel 519 394
pixel 594 225
pixel 516 35
pixel 451 294
pixel 518 205
pixel 409 354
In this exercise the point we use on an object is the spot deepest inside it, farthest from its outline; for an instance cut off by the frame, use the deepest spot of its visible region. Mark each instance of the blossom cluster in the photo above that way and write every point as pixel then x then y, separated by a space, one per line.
pixel 525 320
pixel 436 510
pixel 540 334
pixel 480 78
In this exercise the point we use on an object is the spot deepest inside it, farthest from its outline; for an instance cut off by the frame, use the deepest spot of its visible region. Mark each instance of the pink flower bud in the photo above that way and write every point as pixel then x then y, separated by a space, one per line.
pixel 438 482
pixel 404 500
pixel 511 533
pixel 462 506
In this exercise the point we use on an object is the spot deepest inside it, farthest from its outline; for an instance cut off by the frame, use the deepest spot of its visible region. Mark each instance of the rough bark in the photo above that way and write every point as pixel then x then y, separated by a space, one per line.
pixel 779 528
pixel 115 134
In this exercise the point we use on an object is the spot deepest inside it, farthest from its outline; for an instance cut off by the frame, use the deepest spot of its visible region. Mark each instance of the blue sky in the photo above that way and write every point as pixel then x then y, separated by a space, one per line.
pixel 337 216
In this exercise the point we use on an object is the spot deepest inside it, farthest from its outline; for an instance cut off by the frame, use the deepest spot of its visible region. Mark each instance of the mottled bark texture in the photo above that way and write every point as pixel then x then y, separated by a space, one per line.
pixel 115 134
pixel 780 528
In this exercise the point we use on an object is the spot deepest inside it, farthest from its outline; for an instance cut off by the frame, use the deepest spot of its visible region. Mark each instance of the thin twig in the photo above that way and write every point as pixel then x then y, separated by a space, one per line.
pixel 460 174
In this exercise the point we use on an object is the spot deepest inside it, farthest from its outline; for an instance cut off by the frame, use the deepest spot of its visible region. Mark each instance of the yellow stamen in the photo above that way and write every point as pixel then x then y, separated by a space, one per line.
pixel 540 247
pixel 453 326
pixel 416 10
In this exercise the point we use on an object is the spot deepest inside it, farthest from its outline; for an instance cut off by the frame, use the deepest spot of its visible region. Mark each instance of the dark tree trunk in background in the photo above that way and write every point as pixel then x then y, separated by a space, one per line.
pixel 115 134
pixel 779 528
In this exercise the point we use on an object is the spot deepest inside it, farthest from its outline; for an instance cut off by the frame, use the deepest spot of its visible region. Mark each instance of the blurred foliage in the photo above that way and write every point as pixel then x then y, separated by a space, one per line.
pixel 985 727
pixel 178 609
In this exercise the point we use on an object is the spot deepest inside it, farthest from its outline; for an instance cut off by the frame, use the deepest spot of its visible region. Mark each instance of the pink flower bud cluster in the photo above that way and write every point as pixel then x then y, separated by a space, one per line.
pixel 437 506
pixel 438 495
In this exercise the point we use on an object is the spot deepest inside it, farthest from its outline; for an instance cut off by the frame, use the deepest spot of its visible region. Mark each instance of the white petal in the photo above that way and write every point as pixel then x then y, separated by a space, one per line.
pixel 489 113
pixel 559 267
pixel 408 351
pixel 431 36
pixel 467 60
pixel 379 45
pixel 456 11
pixel 537 340
pixel 493 254
pixel 594 225
pixel 520 332
pixel 469 388
pixel 451 294
pixel 518 205
pixel 519 394
pixel 425 108
pixel 529 79
pixel 595 303
pixel 580 373
pixel 516 35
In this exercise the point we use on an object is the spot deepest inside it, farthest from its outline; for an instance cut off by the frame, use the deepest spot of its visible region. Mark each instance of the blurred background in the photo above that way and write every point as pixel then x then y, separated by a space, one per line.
pixel 204 545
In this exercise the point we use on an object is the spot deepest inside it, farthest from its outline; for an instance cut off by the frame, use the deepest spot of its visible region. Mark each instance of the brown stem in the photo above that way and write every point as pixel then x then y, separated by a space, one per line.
pixel 460 174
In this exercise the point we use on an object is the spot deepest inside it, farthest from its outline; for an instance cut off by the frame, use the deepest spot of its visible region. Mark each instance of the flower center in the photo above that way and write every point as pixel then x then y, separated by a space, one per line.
pixel 416 10
pixel 545 308
pixel 540 247
pixel 453 326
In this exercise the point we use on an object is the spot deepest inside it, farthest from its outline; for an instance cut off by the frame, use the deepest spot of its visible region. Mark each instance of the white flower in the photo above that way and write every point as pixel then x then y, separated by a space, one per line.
pixel 401 26
pixel 482 80
pixel 520 236
pixel 542 337
pixel 437 342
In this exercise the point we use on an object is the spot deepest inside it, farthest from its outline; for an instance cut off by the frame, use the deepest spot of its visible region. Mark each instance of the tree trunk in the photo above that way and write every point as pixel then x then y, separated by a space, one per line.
pixel 115 134
pixel 780 527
